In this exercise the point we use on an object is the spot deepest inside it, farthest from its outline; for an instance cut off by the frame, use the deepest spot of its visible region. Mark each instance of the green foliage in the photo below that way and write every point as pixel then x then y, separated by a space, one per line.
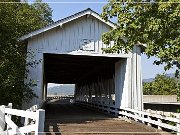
pixel 161 85
pixel 17 19
pixel 156 24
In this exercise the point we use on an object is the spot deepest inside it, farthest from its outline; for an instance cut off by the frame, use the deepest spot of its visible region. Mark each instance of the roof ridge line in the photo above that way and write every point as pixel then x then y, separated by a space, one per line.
pixel 63 21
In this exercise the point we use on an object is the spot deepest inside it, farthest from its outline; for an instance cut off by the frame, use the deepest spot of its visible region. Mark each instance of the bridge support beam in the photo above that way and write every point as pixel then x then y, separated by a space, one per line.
pixel 136 79
pixel 122 94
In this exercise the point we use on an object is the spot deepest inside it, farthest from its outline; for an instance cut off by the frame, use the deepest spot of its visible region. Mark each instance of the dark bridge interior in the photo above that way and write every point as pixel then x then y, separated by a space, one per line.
pixel 72 69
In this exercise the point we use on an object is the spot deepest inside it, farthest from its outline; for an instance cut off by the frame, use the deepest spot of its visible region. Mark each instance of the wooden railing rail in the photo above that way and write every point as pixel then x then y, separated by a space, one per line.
pixel 161 121
pixel 32 114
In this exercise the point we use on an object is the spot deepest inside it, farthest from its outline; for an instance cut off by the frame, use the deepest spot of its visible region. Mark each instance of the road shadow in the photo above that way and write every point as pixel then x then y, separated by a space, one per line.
pixel 72 113
pixel 67 113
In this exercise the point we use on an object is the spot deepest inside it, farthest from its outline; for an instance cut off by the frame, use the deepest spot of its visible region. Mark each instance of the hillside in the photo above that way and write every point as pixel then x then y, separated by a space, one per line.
pixel 67 89
pixel 171 75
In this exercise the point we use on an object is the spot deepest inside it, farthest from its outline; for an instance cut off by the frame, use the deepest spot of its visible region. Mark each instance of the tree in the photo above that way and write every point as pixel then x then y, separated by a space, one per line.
pixel 161 85
pixel 155 23
pixel 17 19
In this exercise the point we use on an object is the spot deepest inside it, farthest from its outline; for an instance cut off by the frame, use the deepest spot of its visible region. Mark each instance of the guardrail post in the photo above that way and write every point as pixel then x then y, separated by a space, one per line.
pixel 178 124
pixel 159 120
pixel 149 118
pixel 26 120
pixel 142 115
pixel 40 122
pixel 2 118
pixel 136 116
pixel 125 114
pixel 116 112
pixel 9 106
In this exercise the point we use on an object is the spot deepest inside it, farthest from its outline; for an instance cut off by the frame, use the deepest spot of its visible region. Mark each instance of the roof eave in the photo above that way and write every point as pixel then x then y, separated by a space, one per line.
pixel 34 33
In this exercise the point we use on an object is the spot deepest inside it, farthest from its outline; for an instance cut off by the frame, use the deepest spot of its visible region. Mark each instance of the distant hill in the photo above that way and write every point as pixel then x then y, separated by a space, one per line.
pixel 148 80
pixel 171 75
pixel 66 89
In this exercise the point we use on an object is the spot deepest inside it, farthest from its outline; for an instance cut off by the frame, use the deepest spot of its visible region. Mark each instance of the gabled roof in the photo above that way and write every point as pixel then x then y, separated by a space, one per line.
pixel 66 20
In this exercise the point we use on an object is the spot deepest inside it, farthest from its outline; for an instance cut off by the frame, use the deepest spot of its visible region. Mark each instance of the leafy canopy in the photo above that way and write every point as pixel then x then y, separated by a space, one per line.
pixel 17 19
pixel 156 24
pixel 162 85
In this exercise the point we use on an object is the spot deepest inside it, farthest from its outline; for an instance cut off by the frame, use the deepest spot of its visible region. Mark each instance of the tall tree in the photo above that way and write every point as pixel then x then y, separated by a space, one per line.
pixel 155 23
pixel 17 19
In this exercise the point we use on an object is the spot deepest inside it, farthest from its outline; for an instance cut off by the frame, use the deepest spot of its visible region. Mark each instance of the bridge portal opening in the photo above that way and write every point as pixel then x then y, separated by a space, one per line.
pixel 93 76
pixel 60 93
pixel 94 79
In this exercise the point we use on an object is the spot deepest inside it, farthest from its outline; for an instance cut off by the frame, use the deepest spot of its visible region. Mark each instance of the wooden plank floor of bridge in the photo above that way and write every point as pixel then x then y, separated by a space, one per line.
pixel 67 119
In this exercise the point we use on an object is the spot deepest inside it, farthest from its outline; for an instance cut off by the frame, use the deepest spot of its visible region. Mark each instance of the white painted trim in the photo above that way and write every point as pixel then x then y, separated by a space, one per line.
pixel 99 54
pixel 99 18
pixel 21 113
pixel 34 33
pixel 66 20
pixel 86 53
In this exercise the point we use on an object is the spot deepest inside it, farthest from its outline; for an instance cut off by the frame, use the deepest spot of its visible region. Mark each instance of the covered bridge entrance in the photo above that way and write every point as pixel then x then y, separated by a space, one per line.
pixel 71 51
pixel 93 75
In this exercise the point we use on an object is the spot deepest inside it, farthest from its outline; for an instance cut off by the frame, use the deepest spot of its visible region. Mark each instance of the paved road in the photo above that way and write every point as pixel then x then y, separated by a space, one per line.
pixel 69 119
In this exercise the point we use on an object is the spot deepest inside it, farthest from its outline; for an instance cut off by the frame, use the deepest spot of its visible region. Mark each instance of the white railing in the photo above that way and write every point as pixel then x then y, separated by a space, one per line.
pixel 34 121
pixel 161 121
pixel 60 97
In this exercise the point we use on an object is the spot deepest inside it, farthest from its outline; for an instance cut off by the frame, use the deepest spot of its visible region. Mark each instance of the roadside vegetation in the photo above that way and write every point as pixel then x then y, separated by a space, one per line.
pixel 162 85
pixel 154 23
pixel 17 19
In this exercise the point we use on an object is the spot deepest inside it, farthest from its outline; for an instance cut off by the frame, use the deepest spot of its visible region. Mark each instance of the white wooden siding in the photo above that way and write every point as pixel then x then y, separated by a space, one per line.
pixel 68 38
pixel 121 83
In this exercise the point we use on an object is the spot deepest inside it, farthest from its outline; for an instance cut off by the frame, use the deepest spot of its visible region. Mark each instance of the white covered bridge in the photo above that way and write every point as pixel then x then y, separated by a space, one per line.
pixel 70 52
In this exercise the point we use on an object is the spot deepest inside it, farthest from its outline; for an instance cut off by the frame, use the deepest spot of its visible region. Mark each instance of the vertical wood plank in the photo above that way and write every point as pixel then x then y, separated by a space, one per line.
pixel 159 121
pixel 2 118
pixel 136 78
pixel 178 123
pixel 149 118
pixel 9 106
pixel 39 130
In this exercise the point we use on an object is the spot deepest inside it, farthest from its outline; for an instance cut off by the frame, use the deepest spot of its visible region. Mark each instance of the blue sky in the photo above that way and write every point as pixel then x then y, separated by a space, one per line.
pixel 64 8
